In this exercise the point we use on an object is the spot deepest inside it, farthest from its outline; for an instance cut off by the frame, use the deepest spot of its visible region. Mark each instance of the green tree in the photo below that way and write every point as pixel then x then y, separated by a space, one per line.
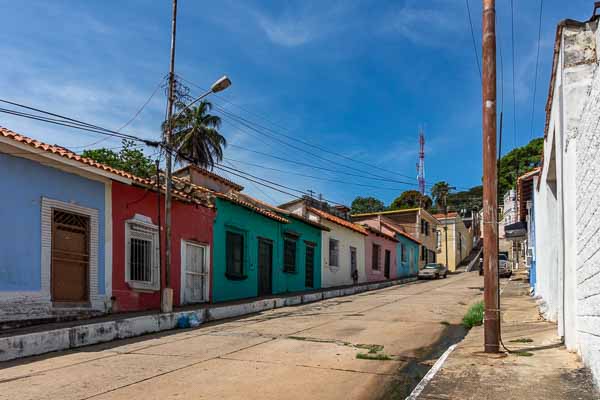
pixel 130 158
pixel 471 199
pixel 196 137
pixel 366 205
pixel 411 199
pixel 517 162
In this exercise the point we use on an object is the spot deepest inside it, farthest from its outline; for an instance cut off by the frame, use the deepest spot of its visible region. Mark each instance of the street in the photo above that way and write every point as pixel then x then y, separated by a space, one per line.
pixel 307 351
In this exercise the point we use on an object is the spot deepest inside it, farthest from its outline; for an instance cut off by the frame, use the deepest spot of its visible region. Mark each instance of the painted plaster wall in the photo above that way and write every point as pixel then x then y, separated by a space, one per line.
pixel 25 183
pixel 375 275
pixel 190 222
pixel 284 282
pixel 254 226
pixel 404 267
pixel 341 275
pixel 585 143
pixel 566 214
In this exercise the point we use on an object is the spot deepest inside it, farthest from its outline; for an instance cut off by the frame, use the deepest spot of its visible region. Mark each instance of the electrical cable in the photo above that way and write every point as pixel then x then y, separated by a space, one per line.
pixel 474 41
pixel 537 63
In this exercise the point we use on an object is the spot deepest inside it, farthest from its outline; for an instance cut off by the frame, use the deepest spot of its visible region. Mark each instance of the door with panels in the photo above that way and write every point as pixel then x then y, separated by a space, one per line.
pixel 195 273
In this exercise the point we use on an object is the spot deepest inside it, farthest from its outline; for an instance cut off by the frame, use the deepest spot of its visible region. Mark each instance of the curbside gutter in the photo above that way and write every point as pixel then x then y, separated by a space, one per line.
pixel 430 374
pixel 36 343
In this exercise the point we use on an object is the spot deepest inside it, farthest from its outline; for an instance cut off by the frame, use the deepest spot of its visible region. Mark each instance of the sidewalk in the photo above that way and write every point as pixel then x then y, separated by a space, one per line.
pixel 541 368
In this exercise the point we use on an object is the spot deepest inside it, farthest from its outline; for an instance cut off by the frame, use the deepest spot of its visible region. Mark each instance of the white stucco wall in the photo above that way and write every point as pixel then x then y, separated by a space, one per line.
pixel 567 214
pixel 340 275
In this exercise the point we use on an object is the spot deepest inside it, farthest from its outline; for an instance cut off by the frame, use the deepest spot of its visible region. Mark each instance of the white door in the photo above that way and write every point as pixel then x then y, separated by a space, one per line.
pixel 194 277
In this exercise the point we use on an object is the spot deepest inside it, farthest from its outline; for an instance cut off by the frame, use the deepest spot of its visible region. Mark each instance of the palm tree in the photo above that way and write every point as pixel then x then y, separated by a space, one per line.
pixel 196 137
pixel 439 192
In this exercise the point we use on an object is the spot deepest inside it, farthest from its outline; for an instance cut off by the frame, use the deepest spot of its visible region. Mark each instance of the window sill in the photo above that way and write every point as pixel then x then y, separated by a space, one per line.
pixel 236 277
pixel 142 286
pixel 291 272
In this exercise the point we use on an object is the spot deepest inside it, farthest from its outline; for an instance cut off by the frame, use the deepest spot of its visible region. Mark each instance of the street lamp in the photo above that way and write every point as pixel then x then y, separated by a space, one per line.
pixel 221 84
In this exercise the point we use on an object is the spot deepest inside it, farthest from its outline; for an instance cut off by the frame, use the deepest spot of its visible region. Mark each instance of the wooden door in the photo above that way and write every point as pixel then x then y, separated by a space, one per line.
pixel 70 257
pixel 386 269
pixel 195 273
pixel 265 267
pixel 310 266
pixel 352 261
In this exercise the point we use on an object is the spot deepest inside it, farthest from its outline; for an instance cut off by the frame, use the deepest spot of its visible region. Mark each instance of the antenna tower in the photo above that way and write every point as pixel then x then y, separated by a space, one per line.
pixel 421 163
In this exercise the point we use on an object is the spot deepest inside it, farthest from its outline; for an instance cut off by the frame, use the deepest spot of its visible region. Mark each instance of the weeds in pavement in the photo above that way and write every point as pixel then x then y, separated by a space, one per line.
pixel 373 348
pixel 371 356
pixel 522 340
pixel 473 317
pixel 523 353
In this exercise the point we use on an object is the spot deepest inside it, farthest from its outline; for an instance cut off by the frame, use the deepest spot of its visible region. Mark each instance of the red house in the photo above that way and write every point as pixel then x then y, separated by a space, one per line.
pixel 138 273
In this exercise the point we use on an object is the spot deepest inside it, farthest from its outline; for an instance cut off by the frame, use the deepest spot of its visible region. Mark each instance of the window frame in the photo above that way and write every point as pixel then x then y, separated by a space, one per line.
pixel 376 257
pixel 290 239
pixel 403 255
pixel 231 274
pixel 337 252
pixel 151 234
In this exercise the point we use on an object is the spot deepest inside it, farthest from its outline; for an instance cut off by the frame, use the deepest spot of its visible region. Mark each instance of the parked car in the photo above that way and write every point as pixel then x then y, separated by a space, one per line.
pixel 433 271
pixel 504 269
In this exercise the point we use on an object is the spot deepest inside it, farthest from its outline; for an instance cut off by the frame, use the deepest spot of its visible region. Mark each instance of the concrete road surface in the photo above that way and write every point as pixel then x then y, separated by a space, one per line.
pixel 303 352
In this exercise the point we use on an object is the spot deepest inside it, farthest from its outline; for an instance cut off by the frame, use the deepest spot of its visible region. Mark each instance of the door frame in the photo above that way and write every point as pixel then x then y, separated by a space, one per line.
pixel 387 263
pixel 258 273
pixel 183 266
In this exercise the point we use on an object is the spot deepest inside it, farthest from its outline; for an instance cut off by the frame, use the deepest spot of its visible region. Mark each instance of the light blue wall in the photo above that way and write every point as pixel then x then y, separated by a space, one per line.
pixel 24 183
pixel 404 269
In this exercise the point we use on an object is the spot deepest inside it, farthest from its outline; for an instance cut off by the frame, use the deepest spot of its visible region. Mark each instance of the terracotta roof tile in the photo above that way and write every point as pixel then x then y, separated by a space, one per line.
pixel 88 162
pixel 380 233
pixel 214 176
pixel 267 213
pixel 400 232
pixel 451 214
pixel 339 221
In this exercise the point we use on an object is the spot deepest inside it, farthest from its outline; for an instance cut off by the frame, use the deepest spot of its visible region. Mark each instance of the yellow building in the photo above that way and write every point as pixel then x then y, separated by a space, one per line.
pixel 453 234
pixel 418 223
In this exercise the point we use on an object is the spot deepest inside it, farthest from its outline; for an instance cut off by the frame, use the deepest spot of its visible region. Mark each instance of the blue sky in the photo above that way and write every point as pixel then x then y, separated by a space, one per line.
pixel 354 77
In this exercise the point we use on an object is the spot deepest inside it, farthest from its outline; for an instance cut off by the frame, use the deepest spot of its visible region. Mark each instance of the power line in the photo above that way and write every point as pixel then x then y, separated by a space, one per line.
pixel 71 122
pixel 139 111
pixel 512 39
pixel 257 187
pixel 474 41
pixel 314 177
pixel 291 137
pixel 249 125
pixel 537 60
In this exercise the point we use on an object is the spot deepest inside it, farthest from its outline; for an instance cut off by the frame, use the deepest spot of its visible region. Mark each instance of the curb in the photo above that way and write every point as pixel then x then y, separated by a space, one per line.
pixel 36 343
pixel 431 374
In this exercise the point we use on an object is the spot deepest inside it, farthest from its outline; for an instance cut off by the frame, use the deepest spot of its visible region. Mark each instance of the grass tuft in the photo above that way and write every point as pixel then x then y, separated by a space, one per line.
pixel 523 353
pixel 373 348
pixel 473 317
pixel 522 340
pixel 372 356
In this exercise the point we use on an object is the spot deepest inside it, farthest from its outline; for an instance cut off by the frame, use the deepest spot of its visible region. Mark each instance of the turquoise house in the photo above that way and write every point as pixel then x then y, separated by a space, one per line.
pixel 408 255
pixel 258 249
pixel 259 252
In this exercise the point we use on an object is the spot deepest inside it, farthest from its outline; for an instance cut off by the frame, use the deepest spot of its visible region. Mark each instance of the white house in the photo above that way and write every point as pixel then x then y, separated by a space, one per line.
pixel 567 193
pixel 343 247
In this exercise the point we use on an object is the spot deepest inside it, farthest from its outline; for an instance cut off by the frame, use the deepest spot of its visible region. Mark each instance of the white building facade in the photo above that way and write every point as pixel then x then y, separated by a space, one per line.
pixel 567 194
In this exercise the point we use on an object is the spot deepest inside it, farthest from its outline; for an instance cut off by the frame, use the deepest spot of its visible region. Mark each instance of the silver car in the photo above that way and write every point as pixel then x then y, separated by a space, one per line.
pixel 433 271
pixel 504 269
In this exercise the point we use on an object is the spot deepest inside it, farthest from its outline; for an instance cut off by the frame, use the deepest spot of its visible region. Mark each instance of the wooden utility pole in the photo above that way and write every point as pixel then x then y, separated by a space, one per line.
pixel 167 295
pixel 490 181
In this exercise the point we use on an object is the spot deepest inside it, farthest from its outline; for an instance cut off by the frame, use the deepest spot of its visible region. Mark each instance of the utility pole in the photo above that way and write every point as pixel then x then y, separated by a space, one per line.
pixel 490 181
pixel 167 294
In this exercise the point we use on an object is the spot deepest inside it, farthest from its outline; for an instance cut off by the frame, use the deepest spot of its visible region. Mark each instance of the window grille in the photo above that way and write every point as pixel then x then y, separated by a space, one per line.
pixel 334 252
pixel 142 256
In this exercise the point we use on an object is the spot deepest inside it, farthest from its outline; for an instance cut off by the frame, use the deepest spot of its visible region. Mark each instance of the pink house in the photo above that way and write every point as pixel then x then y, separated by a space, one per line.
pixel 380 255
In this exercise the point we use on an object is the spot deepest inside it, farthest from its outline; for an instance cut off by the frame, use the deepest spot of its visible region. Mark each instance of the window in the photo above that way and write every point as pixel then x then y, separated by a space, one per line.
pixel 376 256
pixel 310 265
pixel 142 258
pixel 412 258
pixel 334 252
pixel 235 255
pixel 438 239
pixel 422 226
pixel 426 228
pixel 403 255
pixel 423 253
pixel 289 253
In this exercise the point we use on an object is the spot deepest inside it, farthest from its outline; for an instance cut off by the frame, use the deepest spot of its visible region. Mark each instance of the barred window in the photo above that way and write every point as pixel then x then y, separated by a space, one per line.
pixel 289 253
pixel 376 256
pixel 334 252
pixel 142 258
